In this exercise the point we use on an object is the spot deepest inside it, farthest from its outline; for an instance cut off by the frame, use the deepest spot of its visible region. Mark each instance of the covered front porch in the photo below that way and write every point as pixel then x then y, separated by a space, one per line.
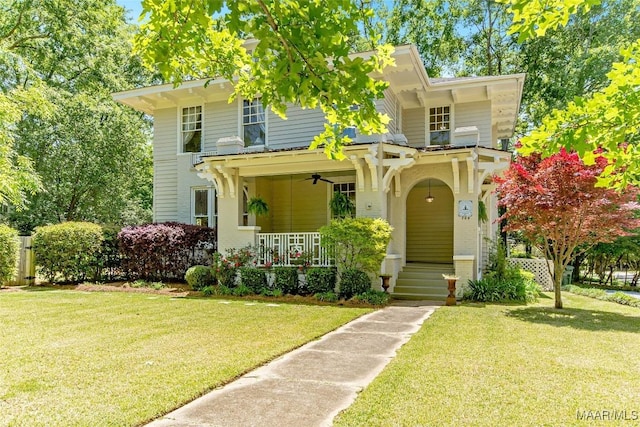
pixel 385 180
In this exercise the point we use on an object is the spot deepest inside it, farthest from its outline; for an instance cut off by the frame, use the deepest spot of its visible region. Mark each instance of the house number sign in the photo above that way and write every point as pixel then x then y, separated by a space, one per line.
pixel 465 209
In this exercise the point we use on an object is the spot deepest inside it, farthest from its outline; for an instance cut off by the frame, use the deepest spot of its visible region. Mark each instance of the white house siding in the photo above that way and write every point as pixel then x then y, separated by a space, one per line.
pixel 297 131
pixel 475 114
pixel 413 126
pixel 187 179
pixel 165 172
pixel 220 121
pixel 165 190
pixel 390 108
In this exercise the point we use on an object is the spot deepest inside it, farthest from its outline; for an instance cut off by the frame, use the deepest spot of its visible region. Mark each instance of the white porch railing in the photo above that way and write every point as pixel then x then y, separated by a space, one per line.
pixel 197 157
pixel 292 249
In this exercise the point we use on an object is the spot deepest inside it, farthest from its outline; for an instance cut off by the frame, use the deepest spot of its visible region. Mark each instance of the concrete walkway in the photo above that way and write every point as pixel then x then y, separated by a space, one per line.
pixel 310 385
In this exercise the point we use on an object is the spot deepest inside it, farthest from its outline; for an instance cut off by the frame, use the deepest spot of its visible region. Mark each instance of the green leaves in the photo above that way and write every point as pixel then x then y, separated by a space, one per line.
pixel 608 121
pixel 297 53
pixel 533 18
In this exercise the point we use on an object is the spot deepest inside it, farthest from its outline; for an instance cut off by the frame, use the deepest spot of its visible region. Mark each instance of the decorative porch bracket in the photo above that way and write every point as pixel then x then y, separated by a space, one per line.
pixel 372 162
pixel 486 168
pixel 470 173
pixel 357 163
pixel 456 175
pixel 213 176
pixel 395 167
pixel 230 178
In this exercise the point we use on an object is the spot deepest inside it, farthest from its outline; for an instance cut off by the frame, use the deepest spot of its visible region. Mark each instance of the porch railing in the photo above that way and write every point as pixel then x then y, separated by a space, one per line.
pixel 292 249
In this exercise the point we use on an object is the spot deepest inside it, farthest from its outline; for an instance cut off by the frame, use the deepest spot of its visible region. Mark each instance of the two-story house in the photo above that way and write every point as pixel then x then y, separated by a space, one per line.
pixel 426 176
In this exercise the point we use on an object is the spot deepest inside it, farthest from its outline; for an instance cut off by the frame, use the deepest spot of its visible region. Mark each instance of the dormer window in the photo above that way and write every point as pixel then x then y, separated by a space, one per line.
pixel 192 129
pixel 439 126
pixel 253 122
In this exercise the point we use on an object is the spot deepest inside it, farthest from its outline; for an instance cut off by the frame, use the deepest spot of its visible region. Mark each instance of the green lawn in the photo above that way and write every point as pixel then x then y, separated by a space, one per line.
pixel 92 359
pixel 494 365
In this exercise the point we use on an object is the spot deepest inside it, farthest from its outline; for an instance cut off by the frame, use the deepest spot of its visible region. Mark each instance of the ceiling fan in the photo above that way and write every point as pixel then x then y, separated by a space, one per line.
pixel 317 177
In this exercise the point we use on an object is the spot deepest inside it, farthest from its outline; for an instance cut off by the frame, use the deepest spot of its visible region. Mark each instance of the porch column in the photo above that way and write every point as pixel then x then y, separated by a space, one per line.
pixel 464 266
pixel 231 232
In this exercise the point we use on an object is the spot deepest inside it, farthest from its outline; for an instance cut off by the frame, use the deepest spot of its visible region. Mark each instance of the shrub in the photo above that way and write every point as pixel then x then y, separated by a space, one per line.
pixel 253 278
pixel 359 243
pixel 108 264
pixel 373 297
pixel 286 279
pixel 618 297
pixel 198 277
pixel 271 292
pixel 532 289
pixel 207 291
pixel 68 250
pixel 326 296
pixel 241 291
pixel 164 251
pixel 514 285
pixel 223 290
pixel 321 279
pixel 353 282
pixel 223 271
pixel 9 253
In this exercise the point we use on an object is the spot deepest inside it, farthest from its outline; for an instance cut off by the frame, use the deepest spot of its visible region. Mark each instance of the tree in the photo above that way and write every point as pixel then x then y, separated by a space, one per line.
pixel 555 204
pixel 17 175
pixel 301 55
pixel 60 60
pixel 471 37
pixel 607 120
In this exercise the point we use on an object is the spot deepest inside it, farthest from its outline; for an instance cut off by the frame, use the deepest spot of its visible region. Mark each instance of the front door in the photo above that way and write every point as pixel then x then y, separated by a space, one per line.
pixel 430 224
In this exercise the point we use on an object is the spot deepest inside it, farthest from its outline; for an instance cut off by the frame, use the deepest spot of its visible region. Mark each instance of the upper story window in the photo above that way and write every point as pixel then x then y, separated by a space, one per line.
pixel 253 122
pixel 439 125
pixel 192 129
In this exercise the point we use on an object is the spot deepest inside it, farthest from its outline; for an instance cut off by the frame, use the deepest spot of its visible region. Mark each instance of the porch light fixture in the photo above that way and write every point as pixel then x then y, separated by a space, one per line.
pixel 429 198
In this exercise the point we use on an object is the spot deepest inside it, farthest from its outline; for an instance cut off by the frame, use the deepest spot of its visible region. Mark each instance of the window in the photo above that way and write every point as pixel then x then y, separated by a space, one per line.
pixel 253 122
pixel 439 122
pixel 202 214
pixel 348 189
pixel 191 129
pixel 351 131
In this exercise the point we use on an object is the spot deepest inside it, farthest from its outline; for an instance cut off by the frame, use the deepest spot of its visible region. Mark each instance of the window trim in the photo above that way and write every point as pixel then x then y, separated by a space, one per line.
pixel 180 148
pixel 241 121
pixel 340 180
pixel 212 205
pixel 451 121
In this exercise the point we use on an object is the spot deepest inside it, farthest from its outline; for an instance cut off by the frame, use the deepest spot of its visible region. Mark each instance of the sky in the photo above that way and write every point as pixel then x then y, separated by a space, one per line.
pixel 134 7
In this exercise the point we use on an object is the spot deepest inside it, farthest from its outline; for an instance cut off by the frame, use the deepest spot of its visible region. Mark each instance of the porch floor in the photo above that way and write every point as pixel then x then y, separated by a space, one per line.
pixel 422 281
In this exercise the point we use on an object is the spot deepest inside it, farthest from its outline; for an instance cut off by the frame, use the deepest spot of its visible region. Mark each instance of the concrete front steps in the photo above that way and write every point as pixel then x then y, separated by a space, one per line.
pixel 423 281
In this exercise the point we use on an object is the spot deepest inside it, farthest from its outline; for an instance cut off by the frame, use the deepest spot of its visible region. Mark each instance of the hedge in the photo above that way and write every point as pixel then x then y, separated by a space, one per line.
pixel 164 251
pixel 9 253
pixel 67 251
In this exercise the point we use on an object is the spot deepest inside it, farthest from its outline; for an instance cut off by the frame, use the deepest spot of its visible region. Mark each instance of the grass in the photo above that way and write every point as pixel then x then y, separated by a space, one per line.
pixel 79 359
pixel 499 365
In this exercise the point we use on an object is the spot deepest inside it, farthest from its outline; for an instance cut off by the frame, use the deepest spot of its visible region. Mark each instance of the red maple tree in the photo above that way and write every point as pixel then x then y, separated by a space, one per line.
pixel 555 204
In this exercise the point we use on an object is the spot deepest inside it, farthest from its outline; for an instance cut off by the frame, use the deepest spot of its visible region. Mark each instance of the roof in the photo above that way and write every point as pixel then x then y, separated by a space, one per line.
pixel 408 81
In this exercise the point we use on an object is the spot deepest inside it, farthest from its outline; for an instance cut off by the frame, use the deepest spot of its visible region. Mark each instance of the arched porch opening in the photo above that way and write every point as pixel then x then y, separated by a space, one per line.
pixel 429 225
